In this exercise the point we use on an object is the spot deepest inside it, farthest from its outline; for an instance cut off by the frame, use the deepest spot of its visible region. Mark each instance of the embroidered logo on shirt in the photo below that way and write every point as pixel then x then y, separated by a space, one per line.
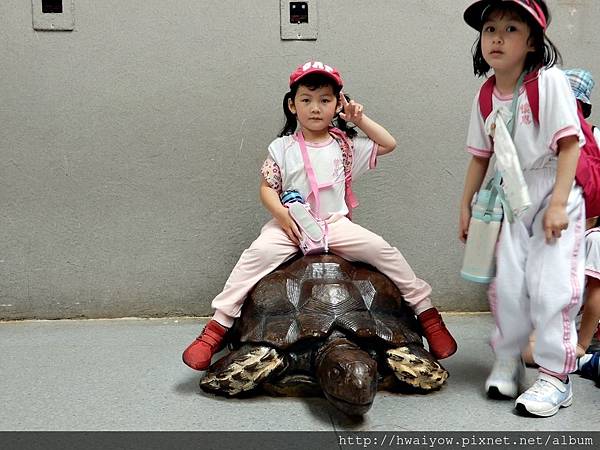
pixel 525 114
pixel 338 169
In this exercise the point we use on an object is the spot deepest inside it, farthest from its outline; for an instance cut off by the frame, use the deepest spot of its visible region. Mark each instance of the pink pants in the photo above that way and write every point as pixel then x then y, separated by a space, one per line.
pixel 346 239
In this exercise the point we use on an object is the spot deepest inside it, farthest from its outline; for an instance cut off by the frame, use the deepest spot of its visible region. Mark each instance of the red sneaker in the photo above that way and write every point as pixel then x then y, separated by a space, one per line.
pixel 200 352
pixel 441 342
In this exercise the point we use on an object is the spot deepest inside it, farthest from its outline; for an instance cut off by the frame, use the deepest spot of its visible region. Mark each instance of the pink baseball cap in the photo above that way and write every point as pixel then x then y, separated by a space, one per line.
pixel 474 14
pixel 316 67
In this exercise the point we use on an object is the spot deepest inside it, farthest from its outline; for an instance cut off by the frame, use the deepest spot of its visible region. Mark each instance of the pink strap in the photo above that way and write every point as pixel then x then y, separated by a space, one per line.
pixel 312 180
pixel 485 97
pixel 532 89
pixel 351 200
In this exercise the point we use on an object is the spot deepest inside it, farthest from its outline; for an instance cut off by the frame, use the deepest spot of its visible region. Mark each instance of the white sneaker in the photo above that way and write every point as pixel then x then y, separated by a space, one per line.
pixel 506 378
pixel 545 397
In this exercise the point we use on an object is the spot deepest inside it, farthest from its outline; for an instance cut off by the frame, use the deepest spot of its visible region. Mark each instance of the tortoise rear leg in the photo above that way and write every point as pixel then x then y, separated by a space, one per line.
pixel 242 370
pixel 413 365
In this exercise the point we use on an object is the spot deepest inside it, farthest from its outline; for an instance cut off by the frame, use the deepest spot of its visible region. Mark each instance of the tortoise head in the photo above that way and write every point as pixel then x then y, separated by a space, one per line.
pixel 348 378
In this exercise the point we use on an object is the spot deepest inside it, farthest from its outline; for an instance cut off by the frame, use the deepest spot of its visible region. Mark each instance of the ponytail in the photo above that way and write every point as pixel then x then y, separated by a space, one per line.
pixel 290 118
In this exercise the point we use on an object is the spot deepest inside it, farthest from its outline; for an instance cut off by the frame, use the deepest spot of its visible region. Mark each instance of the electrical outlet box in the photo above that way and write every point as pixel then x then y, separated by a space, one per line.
pixel 298 12
pixel 299 20
pixel 53 15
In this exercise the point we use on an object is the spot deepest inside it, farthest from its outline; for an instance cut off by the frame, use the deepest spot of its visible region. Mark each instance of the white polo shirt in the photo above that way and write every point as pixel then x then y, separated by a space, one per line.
pixel 536 144
pixel 327 162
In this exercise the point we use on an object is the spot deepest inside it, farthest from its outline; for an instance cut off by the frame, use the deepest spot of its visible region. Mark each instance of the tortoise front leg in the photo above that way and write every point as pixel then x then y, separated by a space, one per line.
pixel 413 365
pixel 242 370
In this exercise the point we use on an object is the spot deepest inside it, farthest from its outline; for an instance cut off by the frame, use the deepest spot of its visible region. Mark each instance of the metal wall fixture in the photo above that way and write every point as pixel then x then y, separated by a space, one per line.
pixel 53 15
pixel 299 20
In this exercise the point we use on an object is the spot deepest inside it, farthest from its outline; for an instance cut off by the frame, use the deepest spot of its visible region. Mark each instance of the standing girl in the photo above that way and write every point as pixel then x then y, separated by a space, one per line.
pixel 313 102
pixel 540 256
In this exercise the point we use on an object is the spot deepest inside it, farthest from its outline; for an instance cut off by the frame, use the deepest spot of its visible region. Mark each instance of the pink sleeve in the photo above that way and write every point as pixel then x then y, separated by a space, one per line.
pixel 567 131
pixel 479 152
pixel 272 174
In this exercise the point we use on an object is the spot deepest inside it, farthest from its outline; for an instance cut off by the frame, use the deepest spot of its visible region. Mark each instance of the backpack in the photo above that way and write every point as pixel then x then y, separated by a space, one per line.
pixel 347 155
pixel 587 174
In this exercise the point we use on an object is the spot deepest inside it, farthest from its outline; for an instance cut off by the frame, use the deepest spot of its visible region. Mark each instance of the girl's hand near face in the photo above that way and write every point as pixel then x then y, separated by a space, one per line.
pixel 351 111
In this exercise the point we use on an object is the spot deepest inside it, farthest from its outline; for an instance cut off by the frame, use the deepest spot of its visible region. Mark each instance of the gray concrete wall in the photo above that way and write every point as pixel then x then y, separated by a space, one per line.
pixel 130 147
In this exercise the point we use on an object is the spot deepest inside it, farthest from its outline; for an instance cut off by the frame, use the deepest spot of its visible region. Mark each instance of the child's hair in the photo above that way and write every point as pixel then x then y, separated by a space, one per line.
pixel 312 81
pixel 585 109
pixel 545 54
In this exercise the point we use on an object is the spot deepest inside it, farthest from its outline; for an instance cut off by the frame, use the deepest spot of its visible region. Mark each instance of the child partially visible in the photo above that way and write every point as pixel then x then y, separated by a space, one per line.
pixel 588 364
pixel 582 83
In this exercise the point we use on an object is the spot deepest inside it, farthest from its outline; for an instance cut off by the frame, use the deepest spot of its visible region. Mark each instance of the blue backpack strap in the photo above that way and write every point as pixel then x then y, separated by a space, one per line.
pixel 496 183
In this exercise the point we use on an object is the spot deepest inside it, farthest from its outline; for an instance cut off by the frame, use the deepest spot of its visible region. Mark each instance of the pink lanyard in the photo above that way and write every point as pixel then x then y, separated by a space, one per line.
pixel 310 173
pixel 314 185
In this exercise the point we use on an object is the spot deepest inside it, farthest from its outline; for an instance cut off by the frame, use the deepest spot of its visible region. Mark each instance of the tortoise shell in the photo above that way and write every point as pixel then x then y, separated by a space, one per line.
pixel 310 296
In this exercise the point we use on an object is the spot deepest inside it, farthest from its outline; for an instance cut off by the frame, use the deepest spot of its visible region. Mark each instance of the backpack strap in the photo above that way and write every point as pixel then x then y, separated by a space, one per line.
pixel 310 173
pixel 590 154
pixel 314 188
pixel 485 97
pixel 347 156
pixel 532 88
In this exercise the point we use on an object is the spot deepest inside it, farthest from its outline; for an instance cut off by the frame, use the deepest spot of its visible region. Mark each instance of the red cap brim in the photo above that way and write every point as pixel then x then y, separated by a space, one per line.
pixel 473 15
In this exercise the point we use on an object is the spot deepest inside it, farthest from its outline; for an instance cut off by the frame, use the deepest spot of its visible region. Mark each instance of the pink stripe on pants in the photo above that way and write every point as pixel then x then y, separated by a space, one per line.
pixel 346 239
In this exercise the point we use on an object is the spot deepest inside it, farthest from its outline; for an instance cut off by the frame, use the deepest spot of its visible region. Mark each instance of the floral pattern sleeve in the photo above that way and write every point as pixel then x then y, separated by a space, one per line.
pixel 272 174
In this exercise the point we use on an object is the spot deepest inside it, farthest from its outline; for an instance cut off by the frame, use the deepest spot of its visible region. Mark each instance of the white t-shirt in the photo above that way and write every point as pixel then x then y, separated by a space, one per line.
pixel 327 162
pixel 597 135
pixel 535 144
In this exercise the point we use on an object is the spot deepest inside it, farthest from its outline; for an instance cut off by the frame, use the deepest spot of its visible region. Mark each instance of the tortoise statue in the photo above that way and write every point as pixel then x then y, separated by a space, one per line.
pixel 322 325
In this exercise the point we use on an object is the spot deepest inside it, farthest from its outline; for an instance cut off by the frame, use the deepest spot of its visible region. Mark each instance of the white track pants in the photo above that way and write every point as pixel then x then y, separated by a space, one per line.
pixel 539 285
